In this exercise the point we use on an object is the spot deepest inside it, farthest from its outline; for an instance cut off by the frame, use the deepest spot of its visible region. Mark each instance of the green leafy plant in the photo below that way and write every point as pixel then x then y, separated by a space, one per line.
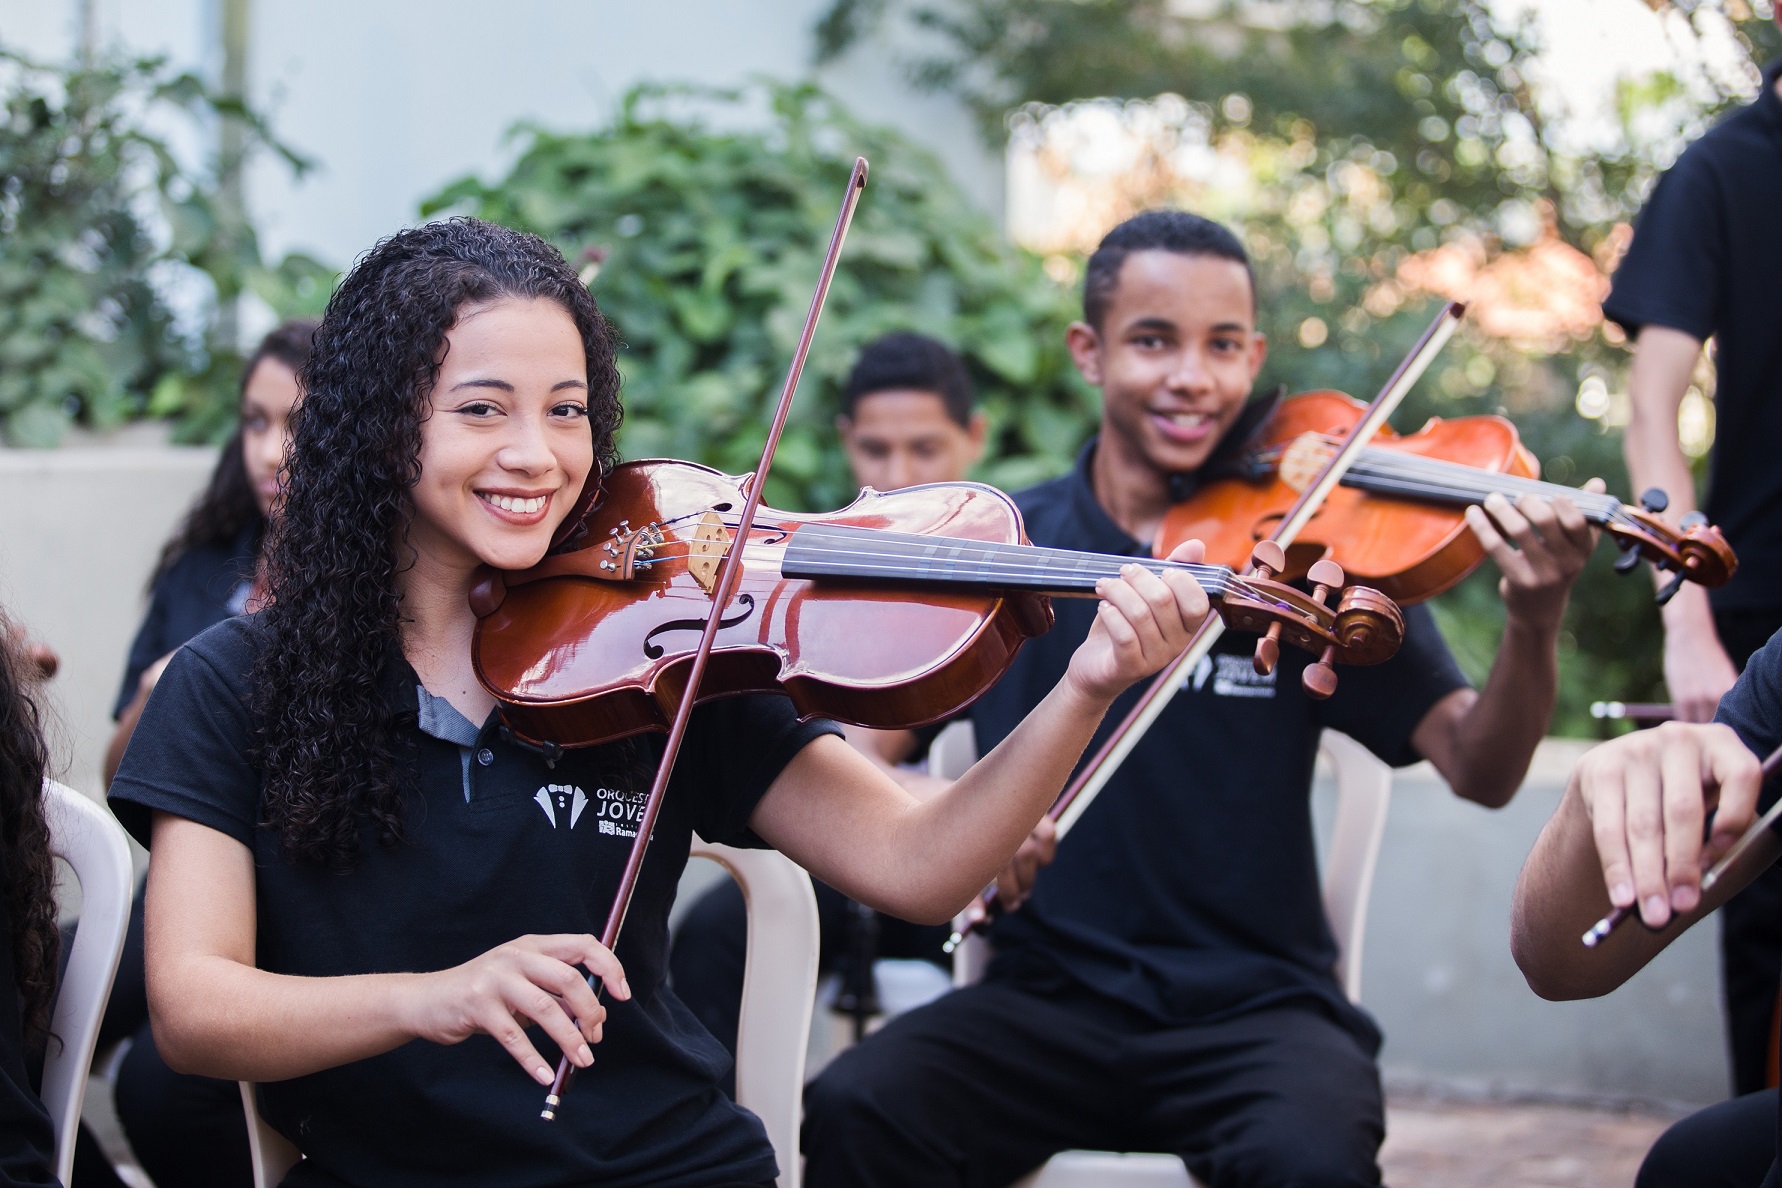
pixel 703 243
pixel 97 215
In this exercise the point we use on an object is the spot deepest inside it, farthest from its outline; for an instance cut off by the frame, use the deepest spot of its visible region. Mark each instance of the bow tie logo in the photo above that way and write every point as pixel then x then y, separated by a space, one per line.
pixel 560 801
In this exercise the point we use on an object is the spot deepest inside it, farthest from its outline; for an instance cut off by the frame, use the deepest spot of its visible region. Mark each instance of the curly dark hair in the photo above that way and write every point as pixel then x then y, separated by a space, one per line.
pixel 325 739
pixel 227 504
pixel 27 872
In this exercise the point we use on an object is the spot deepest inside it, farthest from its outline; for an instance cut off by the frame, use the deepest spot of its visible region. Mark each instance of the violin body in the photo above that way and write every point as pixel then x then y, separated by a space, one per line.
pixel 578 653
pixel 1399 514
pixel 1408 551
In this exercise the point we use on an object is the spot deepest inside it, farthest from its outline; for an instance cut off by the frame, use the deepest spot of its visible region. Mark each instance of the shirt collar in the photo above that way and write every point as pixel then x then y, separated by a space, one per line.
pixel 1226 460
pixel 1097 529
pixel 440 719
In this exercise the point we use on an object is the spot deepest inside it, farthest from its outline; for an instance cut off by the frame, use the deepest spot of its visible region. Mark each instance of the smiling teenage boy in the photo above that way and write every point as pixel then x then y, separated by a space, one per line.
pixel 1167 984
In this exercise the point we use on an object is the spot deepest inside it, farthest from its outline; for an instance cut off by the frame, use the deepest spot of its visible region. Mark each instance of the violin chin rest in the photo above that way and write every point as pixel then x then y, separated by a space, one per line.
pixel 487 592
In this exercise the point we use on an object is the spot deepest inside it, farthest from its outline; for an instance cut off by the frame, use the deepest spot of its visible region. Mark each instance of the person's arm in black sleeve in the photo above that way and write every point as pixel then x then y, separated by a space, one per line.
pixel 1666 297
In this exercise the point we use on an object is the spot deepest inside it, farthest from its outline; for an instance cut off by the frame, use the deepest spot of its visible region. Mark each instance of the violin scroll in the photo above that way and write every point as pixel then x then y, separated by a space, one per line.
pixel 1365 626
pixel 1695 551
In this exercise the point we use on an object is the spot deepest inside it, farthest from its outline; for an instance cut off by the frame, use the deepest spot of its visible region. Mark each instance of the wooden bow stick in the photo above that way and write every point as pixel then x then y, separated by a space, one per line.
pixel 724 590
pixel 1270 555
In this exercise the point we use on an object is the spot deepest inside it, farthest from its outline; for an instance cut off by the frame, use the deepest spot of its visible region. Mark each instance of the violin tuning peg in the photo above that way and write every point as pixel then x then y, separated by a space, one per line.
pixel 1654 500
pixel 1319 680
pixel 1268 651
pixel 1325 576
pixel 1629 560
pixel 1268 558
pixel 1694 520
pixel 1670 589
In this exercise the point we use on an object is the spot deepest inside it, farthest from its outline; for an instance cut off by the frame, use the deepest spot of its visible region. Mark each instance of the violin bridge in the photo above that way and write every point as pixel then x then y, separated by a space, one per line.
pixel 705 552
pixel 1303 460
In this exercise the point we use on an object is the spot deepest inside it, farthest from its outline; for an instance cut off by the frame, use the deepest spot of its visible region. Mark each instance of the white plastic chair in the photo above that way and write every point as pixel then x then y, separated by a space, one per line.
pixel 1364 793
pixel 779 985
pixel 95 847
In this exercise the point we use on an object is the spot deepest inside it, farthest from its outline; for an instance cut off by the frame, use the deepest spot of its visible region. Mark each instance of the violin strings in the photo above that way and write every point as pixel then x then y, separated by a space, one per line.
pixel 1459 477
pixel 1455 479
pixel 847 560
pixel 928 566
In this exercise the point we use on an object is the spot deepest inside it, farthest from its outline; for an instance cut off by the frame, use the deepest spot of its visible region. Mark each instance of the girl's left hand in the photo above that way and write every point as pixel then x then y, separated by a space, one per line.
pixel 1145 620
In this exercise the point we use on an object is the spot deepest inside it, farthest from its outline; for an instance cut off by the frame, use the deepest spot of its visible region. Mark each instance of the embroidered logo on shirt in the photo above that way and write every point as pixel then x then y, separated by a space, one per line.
pixel 558 799
pixel 619 810
pixel 1232 676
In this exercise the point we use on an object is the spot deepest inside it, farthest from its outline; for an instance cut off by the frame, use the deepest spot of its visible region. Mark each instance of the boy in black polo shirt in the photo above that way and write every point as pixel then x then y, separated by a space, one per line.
pixel 1168 983
pixel 1705 262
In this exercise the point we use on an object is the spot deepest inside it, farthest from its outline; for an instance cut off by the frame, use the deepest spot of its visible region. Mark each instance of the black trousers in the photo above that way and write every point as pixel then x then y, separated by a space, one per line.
pixel 1751 922
pixel 1728 1145
pixel 710 949
pixel 982 1086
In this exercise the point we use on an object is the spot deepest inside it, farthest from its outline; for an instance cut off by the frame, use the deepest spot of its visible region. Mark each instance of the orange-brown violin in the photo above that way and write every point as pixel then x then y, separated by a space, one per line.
pixel 893 612
pixel 1397 518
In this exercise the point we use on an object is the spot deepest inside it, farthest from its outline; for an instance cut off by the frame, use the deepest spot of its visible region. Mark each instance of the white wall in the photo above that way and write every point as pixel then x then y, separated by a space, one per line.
pixel 79 531
pixel 396 98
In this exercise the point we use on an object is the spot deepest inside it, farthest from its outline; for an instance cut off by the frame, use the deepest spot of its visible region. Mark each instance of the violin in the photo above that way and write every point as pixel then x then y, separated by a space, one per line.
pixel 894 612
pixel 1398 512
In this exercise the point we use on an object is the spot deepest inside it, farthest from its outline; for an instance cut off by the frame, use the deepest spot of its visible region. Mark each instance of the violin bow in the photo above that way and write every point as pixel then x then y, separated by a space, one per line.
pixel 1093 776
pixel 728 576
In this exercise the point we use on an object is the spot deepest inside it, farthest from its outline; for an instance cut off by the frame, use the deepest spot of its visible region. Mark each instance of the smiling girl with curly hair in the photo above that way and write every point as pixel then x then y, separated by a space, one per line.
pixel 366 897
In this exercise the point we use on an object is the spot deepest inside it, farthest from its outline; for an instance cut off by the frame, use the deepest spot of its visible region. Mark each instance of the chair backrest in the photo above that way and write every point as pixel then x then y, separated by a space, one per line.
pixel 779 984
pixel 1364 793
pixel 94 845
pixel 779 989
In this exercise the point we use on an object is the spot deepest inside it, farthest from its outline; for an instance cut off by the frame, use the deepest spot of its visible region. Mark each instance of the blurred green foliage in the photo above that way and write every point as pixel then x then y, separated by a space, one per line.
pixel 706 214
pixel 98 219
pixel 1366 132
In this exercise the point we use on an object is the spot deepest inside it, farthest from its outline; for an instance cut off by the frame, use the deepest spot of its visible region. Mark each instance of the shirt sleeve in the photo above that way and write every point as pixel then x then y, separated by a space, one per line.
pixel 1381 705
pixel 146 648
pixel 735 748
pixel 1671 274
pixel 189 753
pixel 1753 708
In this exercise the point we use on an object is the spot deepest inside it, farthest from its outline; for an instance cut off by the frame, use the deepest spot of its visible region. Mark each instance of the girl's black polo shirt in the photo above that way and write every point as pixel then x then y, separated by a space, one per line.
pixel 517 846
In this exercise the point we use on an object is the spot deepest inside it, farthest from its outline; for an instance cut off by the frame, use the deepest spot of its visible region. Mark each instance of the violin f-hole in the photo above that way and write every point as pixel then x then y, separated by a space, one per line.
pixel 655 651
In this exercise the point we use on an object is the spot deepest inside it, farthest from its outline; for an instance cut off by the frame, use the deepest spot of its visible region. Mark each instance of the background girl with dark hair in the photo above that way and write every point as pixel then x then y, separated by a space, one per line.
pixel 207 569
pixel 189 1131
pixel 348 855
pixel 28 937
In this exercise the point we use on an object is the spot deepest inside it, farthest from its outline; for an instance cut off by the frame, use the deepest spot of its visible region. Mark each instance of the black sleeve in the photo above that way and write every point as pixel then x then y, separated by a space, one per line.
pixel 735 748
pixel 149 646
pixel 189 754
pixel 1671 274
pixel 1753 707
pixel 1381 705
